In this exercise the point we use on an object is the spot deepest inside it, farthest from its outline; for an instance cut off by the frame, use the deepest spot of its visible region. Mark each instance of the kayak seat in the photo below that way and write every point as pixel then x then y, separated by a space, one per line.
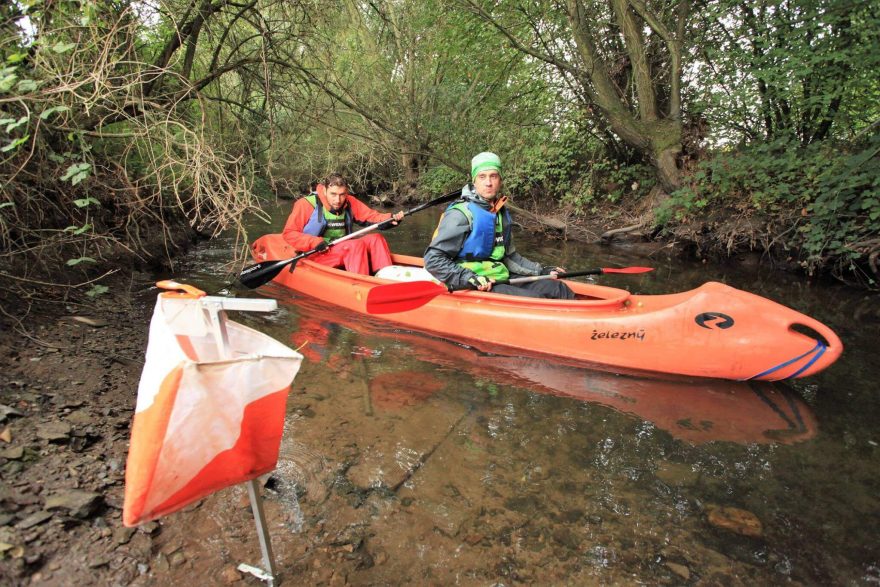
pixel 405 273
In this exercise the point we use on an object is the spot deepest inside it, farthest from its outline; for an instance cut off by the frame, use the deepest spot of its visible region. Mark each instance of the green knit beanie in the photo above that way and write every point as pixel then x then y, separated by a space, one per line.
pixel 484 161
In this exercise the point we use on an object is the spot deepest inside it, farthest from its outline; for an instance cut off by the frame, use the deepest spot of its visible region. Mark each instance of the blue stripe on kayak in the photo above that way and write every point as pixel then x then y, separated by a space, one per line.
pixel 819 350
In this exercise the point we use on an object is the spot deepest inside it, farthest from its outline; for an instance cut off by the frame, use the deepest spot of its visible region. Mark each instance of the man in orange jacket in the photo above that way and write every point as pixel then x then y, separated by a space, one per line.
pixel 329 214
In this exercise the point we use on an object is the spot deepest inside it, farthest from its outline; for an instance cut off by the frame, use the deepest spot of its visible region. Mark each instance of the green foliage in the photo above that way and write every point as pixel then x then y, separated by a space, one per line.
pixel 8 78
pixel 12 124
pixel 546 165
pixel 844 215
pixel 572 168
pixel 611 180
pixel 61 47
pixel 439 180
pixel 85 202
pixel 97 290
pixel 790 89
pixel 75 174
pixel 803 70
pixel 87 100
pixel 14 144
pixel 45 114
pixel 168 118
pixel 830 197
pixel 77 230
pixel 764 176
pixel 406 86
pixel 566 166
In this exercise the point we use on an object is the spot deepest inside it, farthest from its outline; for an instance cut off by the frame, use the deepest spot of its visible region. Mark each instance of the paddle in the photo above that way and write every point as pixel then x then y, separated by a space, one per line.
pixel 262 273
pixel 400 297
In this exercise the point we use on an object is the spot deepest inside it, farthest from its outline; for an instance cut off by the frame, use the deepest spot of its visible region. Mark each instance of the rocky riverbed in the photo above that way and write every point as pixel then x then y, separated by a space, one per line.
pixel 390 473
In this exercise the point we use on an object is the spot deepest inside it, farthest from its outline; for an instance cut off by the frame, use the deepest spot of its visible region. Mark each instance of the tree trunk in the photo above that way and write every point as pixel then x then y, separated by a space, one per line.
pixel 654 132
pixel 659 141
pixel 665 147
pixel 667 169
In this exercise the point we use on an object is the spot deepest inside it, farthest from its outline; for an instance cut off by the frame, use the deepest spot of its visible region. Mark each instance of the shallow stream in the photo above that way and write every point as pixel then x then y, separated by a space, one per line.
pixel 435 462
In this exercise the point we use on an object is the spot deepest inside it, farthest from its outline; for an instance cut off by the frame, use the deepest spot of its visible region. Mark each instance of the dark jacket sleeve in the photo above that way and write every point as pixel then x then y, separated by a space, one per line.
pixel 518 264
pixel 447 242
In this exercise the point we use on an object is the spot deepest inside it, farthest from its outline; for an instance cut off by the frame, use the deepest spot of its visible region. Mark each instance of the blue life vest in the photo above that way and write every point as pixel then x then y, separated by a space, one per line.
pixel 483 238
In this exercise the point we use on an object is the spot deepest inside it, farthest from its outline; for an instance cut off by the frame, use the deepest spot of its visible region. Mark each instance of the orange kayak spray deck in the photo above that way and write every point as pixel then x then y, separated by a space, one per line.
pixel 714 331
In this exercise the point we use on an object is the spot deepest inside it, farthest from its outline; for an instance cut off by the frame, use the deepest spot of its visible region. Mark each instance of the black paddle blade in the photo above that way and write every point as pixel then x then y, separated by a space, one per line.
pixel 262 273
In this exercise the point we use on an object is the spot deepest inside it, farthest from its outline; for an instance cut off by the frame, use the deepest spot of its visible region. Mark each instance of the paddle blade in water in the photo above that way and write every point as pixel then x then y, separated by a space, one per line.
pixel 400 297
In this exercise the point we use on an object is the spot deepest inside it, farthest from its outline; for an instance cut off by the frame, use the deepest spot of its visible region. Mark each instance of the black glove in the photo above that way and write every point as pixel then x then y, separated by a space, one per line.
pixel 322 247
pixel 548 269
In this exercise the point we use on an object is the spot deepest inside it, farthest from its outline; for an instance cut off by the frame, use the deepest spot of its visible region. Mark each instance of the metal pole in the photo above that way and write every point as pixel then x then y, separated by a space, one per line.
pixel 218 322
pixel 262 529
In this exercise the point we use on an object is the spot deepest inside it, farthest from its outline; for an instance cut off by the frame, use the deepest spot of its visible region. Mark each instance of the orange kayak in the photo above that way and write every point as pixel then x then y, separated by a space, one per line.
pixel 713 331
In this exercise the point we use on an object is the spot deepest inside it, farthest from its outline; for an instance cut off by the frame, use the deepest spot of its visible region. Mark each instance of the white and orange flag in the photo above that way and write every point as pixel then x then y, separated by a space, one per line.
pixel 210 408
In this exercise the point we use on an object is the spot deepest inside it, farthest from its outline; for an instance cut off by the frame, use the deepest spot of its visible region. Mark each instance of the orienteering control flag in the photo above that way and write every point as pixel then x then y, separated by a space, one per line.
pixel 209 413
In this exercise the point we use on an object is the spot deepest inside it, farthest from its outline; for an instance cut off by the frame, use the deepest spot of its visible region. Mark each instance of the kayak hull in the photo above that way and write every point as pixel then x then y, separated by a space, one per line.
pixel 713 331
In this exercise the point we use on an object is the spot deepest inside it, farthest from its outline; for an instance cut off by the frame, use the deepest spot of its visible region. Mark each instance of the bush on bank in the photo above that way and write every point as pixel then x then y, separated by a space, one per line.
pixel 820 203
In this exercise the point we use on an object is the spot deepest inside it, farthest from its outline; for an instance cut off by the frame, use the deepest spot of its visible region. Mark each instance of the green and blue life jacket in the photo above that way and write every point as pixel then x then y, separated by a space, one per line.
pixel 486 246
pixel 325 223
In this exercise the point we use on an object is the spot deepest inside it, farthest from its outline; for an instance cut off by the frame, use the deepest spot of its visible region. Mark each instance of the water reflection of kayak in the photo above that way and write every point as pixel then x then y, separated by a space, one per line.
pixel 697 411
pixel 714 331
pixel 693 410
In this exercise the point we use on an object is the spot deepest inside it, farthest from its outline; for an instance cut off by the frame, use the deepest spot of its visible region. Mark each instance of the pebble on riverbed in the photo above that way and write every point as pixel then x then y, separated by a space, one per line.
pixel 736 520
pixel 680 570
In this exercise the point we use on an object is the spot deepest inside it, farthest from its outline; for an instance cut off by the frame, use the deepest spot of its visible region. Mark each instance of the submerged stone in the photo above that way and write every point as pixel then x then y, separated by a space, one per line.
pixel 680 570
pixel 735 520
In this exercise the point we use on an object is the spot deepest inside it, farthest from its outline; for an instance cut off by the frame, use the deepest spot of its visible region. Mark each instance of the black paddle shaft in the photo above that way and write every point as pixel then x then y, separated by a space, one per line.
pixel 530 278
pixel 516 280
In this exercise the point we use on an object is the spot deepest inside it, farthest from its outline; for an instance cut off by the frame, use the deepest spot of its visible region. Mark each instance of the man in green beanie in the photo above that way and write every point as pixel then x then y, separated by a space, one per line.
pixel 473 244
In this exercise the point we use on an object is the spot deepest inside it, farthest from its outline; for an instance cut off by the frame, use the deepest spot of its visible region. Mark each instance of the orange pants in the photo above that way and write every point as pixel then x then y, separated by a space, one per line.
pixel 364 255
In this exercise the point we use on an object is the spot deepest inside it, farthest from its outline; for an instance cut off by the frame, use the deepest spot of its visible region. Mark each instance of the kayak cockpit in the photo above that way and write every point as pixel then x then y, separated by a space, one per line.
pixel 408 268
